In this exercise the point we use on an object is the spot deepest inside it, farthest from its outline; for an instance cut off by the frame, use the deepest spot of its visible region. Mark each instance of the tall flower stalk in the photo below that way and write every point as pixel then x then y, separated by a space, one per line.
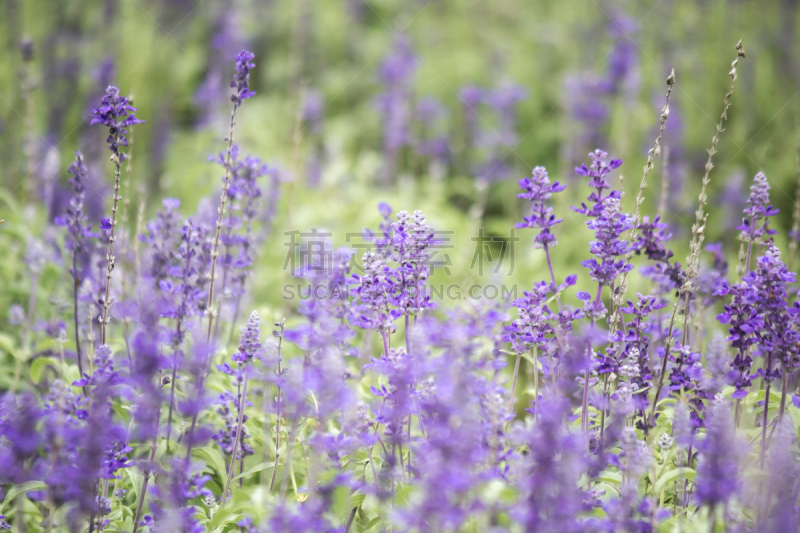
pixel 240 82
pixel 637 218
pixel 192 237
pixel 248 350
pixel 698 236
pixel 78 231
pixel 117 114
pixel 608 223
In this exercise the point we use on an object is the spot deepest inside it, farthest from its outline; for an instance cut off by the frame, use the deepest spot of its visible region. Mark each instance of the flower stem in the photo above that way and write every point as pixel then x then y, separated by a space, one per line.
pixel 698 229
pixel 238 437
pixel 110 257
pixel 214 254
pixel 766 412
pixel 513 390
pixel 75 318
pixel 277 415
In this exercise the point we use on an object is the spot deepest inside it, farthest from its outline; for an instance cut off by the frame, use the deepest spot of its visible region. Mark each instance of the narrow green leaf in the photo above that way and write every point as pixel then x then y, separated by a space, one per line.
pixel 258 468
pixel 682 472
pixel 613 478
pixel 221 517
pixel 136 481
pixel 212 456
pixel 8 344
pixel 38 365
pixel 28 486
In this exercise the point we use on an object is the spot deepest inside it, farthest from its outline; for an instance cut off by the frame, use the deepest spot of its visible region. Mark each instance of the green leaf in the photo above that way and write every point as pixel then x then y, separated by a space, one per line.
pixel 38 365
pixel 221 517
pixel 672 475
pixel 212 457
pixel 136 481
pixel 613 478
pixel 8 344
pixel 28 486
pixel 258 468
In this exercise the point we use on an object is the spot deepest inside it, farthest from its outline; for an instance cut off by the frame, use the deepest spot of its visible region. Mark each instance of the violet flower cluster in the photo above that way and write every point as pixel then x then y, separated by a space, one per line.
pixel 374 407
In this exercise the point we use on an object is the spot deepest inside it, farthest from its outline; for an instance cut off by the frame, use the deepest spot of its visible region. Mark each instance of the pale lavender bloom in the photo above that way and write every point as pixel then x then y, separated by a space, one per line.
pixel 720 455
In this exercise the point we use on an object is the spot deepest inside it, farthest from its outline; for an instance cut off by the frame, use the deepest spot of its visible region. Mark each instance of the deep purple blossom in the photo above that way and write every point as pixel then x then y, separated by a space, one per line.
pixel 777 336
pixel 117 114
pixel 539 190
pixel 742 315
pixel 241 78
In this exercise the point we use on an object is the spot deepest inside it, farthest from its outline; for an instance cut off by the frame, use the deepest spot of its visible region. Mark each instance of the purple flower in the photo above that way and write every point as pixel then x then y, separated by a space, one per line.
pixel 162 237
pixel 533 326
pixel 538 190
pixel 117 114
pixel 503 101
pixel 241 78
pixel 716 364
pixel 471 97
pixel 608 227
pixel 742 314
pixel 634 360
pixel 652 238
pixel 551 498
pixel 183 271
pixel 718 469
pixel 598 173
pixel 777 337
pixel 171 499
pixel 711 279
pixel 76 221
pixel 411 238
pixel 623 59
pixel 758 209
pixel 249 349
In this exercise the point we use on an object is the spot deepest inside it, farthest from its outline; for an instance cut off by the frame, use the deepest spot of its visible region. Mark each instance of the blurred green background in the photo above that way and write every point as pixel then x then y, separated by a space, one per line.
pixel 592 72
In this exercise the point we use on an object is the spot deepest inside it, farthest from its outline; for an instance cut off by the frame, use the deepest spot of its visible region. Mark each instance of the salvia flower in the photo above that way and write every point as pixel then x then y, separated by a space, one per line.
pixel 539 190
pixel 651 241
pixel 718 469
pixel 162 236
pixel 411 238
pixel 758 210
pixel 241 78
pixel 76 221
pixel 551 498
pixel 116 113
pixel 608 227
pixel 598 172
pixel 742 315
pixel 777 338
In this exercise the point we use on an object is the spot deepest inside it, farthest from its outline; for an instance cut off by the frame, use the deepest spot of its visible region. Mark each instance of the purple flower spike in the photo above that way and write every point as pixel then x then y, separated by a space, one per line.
pixel 720 455
pixel 241 79
pixel 117 114
pixel 598 173
pixel 538 190
pixel 758 208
